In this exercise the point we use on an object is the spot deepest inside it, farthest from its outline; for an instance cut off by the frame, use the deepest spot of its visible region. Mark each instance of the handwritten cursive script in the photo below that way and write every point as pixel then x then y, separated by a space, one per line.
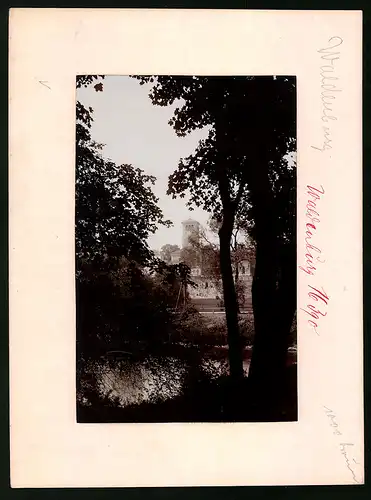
pixel 312 215
pixel 328 89
pixel 349 461
pixel 313 310
pixel 312 257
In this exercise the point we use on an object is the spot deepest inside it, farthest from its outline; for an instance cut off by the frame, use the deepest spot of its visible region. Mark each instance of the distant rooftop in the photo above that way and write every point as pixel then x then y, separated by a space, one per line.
pixel 190 220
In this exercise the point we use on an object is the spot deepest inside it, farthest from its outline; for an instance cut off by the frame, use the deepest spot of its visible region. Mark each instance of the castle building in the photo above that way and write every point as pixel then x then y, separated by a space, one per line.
pixel 208 287
pixel 191 232
pixel 176 256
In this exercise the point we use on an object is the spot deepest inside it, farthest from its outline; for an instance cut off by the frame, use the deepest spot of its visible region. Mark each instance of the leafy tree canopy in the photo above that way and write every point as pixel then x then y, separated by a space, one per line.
pixel 254 118
pixel 116 209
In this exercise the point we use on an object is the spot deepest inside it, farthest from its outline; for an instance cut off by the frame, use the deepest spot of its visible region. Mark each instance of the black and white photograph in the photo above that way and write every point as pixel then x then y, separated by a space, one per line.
pixel 185 248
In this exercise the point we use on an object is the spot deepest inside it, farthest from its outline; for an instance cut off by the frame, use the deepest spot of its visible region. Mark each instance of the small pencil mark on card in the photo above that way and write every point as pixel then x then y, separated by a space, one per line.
pixel 44 83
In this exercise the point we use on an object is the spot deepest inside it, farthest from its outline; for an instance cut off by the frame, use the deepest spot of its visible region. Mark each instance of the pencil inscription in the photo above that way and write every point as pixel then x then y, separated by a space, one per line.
pixel 345 448
pixel 329 90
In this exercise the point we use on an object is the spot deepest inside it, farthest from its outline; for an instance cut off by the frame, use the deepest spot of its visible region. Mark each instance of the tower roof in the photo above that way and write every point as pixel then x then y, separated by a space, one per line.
pixel 189 220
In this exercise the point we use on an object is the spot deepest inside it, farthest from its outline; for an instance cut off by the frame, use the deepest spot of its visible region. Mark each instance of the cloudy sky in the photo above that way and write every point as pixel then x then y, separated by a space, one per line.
pixel 136 132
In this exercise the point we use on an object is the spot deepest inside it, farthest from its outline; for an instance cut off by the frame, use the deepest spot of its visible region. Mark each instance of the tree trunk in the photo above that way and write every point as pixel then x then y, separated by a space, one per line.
pixel 235 348
pixel 273 387
pixel 274 306
pixel 263 360
pixel 286 303
pixel 230 301
pixel 263 367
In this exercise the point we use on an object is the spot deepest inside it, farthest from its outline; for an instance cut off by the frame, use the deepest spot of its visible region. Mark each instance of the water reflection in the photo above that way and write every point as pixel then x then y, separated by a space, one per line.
pixel 154 380
pixel 134 383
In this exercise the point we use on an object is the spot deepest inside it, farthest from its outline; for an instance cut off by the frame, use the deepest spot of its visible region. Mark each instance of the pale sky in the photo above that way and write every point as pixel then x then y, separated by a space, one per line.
pixel 136 132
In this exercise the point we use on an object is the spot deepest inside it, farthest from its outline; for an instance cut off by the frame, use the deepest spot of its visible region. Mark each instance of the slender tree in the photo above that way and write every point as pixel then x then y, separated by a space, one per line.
pixel 210 175
pixel 241 168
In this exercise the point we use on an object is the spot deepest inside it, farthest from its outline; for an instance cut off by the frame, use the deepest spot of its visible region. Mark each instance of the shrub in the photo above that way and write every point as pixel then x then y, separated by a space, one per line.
pixel 122 305
pixel 246 325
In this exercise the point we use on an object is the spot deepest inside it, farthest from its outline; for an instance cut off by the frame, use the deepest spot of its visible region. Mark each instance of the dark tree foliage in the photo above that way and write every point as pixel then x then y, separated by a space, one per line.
pixel 116 209
pixel 118 300
pixel 240 172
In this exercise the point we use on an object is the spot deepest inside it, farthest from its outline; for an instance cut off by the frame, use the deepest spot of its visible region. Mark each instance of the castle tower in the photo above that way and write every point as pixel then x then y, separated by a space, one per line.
pixel 191 229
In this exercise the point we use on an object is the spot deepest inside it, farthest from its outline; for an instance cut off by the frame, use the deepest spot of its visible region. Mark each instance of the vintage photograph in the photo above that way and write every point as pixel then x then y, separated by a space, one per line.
pixel 185 240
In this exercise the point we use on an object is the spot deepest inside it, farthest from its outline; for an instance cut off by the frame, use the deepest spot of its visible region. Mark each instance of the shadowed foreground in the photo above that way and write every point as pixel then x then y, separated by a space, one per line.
pixel 206 401
pixel 184 380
